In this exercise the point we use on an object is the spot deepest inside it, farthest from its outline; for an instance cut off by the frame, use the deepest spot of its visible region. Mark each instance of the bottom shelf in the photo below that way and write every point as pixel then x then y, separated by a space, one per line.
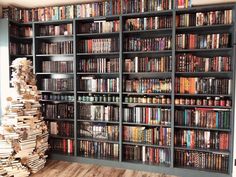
pixel 99 158
pixel 148 163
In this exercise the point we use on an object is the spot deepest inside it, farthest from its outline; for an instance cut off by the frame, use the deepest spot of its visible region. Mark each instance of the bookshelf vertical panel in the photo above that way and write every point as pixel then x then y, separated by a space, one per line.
pixel 121 89
pixel 173 83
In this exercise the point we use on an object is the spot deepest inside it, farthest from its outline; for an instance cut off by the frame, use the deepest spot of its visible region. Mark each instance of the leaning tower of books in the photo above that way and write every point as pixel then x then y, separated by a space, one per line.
pixel 23 133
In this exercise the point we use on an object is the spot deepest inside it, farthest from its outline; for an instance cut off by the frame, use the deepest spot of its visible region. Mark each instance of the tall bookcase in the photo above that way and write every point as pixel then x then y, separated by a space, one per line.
pixel 167 94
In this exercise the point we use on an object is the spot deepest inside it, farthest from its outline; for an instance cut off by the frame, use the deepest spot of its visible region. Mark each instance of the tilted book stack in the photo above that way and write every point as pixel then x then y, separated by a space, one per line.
pixel 23 133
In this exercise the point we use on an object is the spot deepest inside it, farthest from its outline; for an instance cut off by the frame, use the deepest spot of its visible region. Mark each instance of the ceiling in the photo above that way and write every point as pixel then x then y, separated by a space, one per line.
pixel 41 3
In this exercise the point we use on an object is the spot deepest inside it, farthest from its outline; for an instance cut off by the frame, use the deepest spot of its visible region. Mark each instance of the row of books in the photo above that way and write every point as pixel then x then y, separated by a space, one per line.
pixel 202 41
pixel 208 101
pixel 148 155
pixel 148 99
pixel 204 85
pixel 65 146
pixel 203 117
pixel 57 66
pixel 202 19
pixel 137 6
pixel 147 64
pixel 58 111
pixel 104 45
pixel 64 129
pixel 56 30
pixel 24 31
pixel 98 65
pixel 99 149
pixel 96 9
pixel 105 8
pixel 98 98
pixel 147 85
pixel 98 112
pixel 57 97
pixel 148 23
pixel 202 139
pixel 20 48
pixel 100 27
pixel 202 160
pixel 91 84
pixel 99 131
pixel 65 47
pixel 57 84
pixel 181 4
pixel 193 63
pixel 156 136
pixel 147 115
pixel 147 44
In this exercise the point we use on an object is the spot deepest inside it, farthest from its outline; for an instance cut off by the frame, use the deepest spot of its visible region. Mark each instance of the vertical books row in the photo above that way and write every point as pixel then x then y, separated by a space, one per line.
pixel 147 64
pixel 64 47
pixel 148 135
pixel 204 18
pixel 195 139
pixel 147 115
pixel 24 31
pixel 203 85
pixel 99 65
pixel 193 63
pixel 98 112
pixel 99 150
pixel 148 155
pixel 20 48
pixel 65 146
pixel 202 160
pixel 63 129
pixel 58 111
pixel 100 131
pixel 57 84
pixel 138 6
pixel 104 45
pixel 203 117
pixel 100 27
pixel 91 84
pixel 56 30
pixel 57 66
pixel 105 8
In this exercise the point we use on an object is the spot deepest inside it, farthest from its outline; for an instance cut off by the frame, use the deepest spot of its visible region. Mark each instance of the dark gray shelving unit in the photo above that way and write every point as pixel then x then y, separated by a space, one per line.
pixel 122 54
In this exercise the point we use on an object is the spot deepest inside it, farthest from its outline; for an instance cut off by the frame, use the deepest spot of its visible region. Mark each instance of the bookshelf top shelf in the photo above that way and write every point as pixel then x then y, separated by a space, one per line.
pixel 205 8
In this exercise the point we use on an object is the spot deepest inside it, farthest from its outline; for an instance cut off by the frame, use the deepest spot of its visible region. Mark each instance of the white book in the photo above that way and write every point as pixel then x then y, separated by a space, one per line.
pixel 143 153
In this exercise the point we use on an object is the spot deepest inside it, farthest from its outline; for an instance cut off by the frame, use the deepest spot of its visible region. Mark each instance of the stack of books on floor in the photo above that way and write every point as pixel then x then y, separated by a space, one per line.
pixel 23 133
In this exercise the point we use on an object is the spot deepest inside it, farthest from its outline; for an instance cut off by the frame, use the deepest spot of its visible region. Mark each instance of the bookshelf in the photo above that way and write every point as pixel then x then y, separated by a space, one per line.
pixel 107 80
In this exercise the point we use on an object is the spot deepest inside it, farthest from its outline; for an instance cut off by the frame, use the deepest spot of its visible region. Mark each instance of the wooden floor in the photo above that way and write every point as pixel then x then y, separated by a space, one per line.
pixel 67 169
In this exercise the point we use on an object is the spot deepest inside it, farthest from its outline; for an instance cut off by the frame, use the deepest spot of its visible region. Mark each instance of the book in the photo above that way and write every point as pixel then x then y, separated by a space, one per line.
pixel 55 30
pixel 57 66
pixel 58 111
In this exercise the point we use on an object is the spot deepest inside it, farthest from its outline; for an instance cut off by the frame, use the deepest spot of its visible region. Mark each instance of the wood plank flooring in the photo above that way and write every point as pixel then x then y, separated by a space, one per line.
pixel 56 168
